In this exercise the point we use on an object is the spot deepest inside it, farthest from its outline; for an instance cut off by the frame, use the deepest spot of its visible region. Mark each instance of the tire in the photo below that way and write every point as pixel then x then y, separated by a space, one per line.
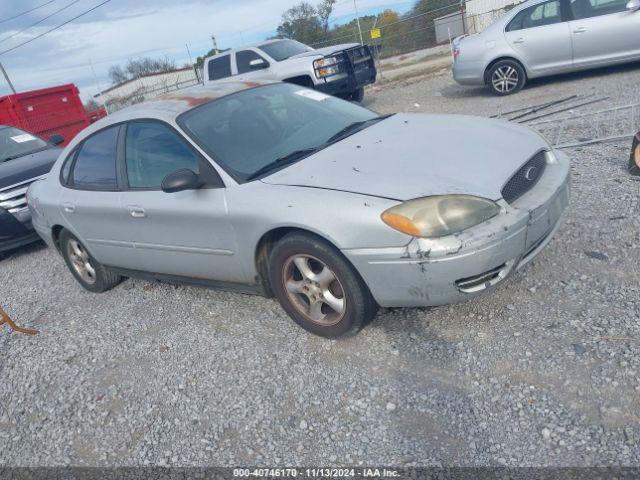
pixel 357 96
pixel 329 276
pixel 76 256
pixel 513 74
pixel 634 160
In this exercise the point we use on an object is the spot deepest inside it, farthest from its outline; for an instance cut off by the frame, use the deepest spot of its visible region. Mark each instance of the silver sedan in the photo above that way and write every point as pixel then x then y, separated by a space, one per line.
pixel 280 190
pixel 546 37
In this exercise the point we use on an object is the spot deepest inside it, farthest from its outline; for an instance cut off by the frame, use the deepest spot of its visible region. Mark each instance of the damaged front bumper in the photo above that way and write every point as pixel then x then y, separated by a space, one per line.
pixel 430 272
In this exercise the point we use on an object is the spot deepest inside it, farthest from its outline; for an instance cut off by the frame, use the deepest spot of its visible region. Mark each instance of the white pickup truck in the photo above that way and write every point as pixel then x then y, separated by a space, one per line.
pixel 341 70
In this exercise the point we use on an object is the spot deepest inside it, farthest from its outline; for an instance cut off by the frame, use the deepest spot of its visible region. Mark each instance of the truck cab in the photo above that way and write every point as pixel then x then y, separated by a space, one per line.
pixel 341 70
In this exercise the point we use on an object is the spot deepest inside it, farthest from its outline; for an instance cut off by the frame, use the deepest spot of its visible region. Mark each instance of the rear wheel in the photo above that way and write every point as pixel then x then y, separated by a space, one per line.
pixel 506 77
pixel 318 288
pixel 89 273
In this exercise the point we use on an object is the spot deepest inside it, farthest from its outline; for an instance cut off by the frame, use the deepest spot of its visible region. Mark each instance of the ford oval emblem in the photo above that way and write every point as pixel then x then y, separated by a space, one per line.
pixel 531 174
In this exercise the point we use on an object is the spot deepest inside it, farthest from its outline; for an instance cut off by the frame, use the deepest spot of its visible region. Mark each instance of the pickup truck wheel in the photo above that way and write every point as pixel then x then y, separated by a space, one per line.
pixel 89 273
pixel 357 96
pixel 318 288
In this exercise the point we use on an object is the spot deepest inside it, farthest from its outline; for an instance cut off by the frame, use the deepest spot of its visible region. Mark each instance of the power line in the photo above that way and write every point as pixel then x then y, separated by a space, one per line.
pixel 54 28
pixel 39 21
pixel 26 11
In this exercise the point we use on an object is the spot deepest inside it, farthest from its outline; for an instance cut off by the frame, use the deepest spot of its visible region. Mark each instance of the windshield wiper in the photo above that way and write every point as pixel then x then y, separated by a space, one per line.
pixel 354 128
pixel 278 163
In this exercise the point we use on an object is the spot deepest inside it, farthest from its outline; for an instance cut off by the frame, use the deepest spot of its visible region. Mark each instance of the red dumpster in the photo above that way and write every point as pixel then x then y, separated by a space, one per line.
pixel 46 112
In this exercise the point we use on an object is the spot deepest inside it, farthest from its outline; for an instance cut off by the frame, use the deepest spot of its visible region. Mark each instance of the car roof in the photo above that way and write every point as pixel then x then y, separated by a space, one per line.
pixel 169 106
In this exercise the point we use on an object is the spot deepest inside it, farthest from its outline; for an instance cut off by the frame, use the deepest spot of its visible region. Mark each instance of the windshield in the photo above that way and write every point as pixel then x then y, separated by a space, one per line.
pixel 16 143
pixel 284 49
pixel 249 130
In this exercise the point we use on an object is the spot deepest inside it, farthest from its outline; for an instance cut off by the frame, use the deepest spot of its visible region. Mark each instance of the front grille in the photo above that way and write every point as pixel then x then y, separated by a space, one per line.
pixel 526 178
pixel 359 54
pixel 14 198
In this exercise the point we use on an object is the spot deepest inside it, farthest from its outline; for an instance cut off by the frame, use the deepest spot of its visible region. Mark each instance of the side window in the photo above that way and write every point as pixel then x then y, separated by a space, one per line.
pixel 594 8
pixel 539 15
pixel 65 171
pixel 95 165
pixel 220 68
pixel 244 58
pixel 153 151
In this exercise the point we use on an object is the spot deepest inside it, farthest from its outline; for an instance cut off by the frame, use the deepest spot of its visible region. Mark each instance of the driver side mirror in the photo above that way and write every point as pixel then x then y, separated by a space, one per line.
pixel 56 139
pixel 180 181
pixel 633 5
pixel 259 64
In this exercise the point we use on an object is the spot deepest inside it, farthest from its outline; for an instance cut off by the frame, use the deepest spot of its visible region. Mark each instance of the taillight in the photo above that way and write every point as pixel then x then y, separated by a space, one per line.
pixel 456 52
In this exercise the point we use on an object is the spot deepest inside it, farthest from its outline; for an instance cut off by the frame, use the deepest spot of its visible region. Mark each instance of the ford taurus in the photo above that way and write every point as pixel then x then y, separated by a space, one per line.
pixel 280 190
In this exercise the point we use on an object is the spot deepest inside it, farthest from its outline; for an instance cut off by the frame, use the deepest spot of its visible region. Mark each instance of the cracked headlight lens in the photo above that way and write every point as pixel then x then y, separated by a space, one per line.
pixel 438 216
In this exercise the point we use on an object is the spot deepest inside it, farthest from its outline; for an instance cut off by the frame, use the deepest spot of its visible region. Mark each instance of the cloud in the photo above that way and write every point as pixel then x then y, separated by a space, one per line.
pixel 125 29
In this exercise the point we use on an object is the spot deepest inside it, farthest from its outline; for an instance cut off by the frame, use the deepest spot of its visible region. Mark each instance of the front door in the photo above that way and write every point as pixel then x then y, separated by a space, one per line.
pixel 251 65
pixel 541 38
pixel 184 234
pixel 604 32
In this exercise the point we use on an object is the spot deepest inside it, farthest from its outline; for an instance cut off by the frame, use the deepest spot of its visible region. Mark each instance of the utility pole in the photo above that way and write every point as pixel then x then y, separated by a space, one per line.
pixel 6 76
pixel 215 44
pixel 95 79
pixel 355 5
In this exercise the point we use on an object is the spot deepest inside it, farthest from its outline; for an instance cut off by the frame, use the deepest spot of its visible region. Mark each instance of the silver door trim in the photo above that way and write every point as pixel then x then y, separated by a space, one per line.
pixel 179 249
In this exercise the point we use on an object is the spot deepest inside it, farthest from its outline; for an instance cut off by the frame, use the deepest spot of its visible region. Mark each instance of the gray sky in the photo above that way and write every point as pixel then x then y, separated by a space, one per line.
pixel 123 29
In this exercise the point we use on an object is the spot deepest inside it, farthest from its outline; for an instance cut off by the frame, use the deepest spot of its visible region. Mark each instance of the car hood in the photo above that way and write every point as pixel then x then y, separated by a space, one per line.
pixel 413 155
pixel 25 168
pixel 321 52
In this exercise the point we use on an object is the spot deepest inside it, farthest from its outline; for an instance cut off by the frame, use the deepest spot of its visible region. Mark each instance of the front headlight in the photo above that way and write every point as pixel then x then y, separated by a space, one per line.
pixel 327 66
pixel 439 216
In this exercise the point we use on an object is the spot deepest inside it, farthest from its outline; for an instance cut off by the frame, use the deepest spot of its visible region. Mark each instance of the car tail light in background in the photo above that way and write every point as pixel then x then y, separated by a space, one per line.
pixel 456 52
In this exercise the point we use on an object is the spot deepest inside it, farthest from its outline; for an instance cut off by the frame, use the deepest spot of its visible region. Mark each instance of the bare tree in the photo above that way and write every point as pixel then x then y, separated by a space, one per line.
pixel 136 68
pixel 325 9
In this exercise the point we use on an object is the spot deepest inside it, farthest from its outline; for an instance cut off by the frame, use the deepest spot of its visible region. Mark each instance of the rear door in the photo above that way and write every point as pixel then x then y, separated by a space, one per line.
pixel 603 32
pixel 540 35
pixel 219 68
pixel 90 200
pixel 187 233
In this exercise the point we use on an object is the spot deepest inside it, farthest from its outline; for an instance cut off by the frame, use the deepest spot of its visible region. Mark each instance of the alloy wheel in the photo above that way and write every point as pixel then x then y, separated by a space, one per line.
pixel 81 261
pixel 505 79
pixel 314 289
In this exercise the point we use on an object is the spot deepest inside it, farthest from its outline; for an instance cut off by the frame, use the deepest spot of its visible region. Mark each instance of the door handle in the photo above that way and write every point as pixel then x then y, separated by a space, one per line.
pixel 519 40
pixel 137 212
pixel 68 208
pixel 580 30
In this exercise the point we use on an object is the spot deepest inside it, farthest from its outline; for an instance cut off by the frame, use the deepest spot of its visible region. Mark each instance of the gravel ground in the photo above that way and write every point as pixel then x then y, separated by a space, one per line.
pixel 544 371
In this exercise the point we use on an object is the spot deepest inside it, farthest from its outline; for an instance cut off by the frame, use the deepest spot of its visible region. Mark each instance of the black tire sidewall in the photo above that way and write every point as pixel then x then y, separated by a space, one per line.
pixel 522 77
pixel 359 303
pixel 358 95
pixel 102 284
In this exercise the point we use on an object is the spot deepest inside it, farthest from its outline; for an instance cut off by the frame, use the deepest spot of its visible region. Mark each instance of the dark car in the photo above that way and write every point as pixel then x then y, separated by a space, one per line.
pixel 24 158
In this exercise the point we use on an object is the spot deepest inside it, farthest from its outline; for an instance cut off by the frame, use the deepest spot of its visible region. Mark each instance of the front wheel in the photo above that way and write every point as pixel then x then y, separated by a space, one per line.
pixel 318 288
pixel 357 95
pixel 506 77
pixel 89 273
